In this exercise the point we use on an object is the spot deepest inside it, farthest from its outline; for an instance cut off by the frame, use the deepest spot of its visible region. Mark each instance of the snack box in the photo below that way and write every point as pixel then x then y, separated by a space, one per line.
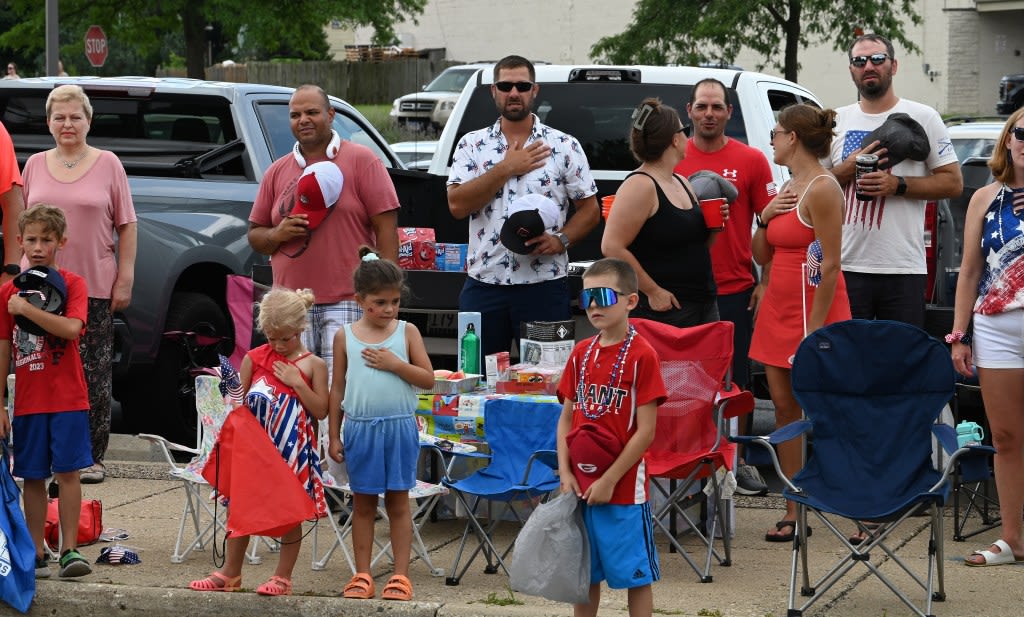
pixel 455 386
pixel 451 257
pixel 416 248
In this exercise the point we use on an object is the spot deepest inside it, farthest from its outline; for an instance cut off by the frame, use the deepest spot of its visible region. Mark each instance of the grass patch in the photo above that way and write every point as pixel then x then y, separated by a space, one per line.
pixel 662 611
pixel 705 612
pixel 508 599
pixel 378 116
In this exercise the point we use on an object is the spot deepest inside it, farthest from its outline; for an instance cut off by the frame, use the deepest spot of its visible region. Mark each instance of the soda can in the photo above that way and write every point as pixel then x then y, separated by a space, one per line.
pixel 866 163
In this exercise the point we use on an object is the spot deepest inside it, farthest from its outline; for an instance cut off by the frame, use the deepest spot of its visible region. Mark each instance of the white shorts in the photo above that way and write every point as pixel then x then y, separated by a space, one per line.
pixel 999 340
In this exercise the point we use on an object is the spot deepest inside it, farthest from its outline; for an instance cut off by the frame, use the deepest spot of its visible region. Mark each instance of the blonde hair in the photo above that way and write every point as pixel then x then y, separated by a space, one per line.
pixel 1000 163
pixel 69 94
pixel 50 217
pixel 285 309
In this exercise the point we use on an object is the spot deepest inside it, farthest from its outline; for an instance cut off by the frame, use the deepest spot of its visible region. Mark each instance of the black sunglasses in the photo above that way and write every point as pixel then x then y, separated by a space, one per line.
pixel 861 61
pixel 520 86
pixel 1018 132
pixel 685 130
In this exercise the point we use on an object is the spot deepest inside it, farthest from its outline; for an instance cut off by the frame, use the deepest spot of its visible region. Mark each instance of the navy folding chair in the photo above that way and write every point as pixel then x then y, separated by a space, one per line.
pixel 871 392
pixel 519 433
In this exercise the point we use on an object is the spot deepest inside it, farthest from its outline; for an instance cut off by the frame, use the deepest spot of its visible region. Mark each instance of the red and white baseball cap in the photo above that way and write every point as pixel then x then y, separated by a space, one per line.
pixel 592 450
pixel 318 190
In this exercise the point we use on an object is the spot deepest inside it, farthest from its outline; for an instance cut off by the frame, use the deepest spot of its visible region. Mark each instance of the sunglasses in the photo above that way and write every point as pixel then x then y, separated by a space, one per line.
pixel 1018 133
pixel 862 61
pixel 520 86
pixel 685 130
pixel 603 296
pixel 772 133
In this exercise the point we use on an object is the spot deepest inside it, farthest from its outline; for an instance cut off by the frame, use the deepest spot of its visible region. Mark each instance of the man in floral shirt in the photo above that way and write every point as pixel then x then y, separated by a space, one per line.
pixel 491 169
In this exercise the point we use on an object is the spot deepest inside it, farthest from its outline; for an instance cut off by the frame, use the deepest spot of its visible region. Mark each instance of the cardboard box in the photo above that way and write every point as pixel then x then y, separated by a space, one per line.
pixel 496 367
pixel 451 257
pixel 416 248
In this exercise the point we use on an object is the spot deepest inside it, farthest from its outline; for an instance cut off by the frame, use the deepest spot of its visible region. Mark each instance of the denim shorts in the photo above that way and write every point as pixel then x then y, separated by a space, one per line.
pixel 381 453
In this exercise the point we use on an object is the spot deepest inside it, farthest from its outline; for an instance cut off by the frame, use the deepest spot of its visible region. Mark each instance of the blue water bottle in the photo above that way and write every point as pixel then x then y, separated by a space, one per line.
pixel 470 346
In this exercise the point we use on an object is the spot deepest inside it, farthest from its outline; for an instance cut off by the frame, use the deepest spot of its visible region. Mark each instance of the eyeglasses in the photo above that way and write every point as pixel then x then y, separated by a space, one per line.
pixel 772 133
pixel 603 296
pixel 685 130
pixel 1018 133
pixel 862 61
pixel 520 86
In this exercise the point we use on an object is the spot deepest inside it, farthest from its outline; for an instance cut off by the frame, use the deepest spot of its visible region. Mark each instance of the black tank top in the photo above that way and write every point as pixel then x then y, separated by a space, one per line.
pixel 672 247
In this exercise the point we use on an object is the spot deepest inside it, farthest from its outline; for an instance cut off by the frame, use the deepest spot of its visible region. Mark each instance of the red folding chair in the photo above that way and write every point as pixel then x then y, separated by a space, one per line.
pixel 691 442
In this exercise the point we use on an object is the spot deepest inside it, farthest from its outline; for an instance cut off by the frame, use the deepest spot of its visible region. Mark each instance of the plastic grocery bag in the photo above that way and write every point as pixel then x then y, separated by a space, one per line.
pixel 551 558
pixel 17 550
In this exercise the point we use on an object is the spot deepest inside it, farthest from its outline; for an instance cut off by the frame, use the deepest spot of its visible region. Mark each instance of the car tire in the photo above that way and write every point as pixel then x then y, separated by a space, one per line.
pixel 166 403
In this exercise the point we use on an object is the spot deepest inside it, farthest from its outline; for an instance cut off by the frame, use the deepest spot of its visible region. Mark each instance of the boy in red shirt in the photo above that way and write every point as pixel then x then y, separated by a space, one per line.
pixel 51 401
pixel 613 383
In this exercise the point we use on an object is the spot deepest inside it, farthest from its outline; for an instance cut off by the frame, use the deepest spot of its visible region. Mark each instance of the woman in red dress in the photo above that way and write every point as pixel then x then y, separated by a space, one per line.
pixel 808 209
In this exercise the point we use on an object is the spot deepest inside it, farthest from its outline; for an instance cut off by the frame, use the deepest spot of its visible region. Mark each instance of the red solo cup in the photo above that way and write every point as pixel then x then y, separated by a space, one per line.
pixel 712 211
pixel 606 205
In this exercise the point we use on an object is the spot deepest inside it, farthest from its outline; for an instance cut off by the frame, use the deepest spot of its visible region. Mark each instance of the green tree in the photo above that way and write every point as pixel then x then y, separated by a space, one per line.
pixel 694 31
pixel 148 33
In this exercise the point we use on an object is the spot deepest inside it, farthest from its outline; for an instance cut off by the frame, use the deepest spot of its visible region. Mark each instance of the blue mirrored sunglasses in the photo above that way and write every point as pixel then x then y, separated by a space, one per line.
pixel 603 296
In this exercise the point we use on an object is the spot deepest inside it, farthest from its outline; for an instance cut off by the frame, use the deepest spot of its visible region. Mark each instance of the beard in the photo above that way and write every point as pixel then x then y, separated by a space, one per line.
pixel 877 88
pixel 515 115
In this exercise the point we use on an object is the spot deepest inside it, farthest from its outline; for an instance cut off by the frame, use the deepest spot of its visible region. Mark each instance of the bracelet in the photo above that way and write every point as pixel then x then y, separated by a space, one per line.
pixel 958 336
pixel 760 224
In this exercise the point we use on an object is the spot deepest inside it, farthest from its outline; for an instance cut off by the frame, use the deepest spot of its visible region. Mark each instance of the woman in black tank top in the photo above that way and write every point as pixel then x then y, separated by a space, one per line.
pixel 657 226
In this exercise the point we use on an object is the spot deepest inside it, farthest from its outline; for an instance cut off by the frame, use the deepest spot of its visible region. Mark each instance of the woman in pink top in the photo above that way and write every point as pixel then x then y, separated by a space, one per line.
pixel 91 187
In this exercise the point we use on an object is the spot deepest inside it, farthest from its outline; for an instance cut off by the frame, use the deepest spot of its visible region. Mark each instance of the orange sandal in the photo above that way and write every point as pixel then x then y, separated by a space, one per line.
pixel 360 587
pixel 217 582
pixel 398 588
pixel 275 586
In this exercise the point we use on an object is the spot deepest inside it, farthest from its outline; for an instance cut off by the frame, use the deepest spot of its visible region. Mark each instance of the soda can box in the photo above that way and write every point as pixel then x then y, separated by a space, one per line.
pixel 416 248
pixel 451 256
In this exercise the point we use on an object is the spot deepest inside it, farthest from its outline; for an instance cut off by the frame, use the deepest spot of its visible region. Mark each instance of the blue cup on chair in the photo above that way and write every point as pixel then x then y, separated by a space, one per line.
pixel 969 434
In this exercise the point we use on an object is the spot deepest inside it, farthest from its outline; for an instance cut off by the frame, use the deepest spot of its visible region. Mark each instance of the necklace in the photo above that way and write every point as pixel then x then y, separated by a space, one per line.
pixel 602 400
pixel 1016 195
pixel 71 164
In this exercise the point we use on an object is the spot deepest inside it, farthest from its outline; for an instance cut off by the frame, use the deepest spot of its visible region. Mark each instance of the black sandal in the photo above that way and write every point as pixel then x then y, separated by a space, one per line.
pixel 785 537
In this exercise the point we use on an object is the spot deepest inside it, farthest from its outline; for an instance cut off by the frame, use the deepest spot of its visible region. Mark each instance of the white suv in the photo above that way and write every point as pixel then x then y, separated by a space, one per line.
pixel 431 107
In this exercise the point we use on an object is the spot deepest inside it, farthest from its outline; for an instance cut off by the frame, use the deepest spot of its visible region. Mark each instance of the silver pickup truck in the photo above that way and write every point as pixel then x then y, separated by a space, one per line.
pixel 194 152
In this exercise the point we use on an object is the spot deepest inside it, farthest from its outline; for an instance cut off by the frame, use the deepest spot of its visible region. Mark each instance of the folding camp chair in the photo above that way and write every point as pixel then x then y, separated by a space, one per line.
pixel 871 391
pixel 691 444
pixel 201 516
pixel 972 482
pixel 425 496
pixel 519 432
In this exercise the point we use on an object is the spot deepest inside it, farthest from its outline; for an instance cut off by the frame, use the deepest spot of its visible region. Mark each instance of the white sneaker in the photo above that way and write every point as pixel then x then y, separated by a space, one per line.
pixel 749 481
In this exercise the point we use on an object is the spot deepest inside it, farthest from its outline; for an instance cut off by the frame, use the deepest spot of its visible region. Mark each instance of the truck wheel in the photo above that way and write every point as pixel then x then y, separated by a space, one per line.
pixel 173 402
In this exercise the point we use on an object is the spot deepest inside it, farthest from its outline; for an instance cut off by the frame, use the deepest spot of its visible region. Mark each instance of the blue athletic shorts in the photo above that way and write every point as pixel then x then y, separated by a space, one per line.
pixel 622 547
pixel 381 453
pixel 48 443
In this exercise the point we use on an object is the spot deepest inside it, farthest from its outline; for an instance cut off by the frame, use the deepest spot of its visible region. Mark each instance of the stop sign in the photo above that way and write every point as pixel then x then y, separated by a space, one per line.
pixel 96 46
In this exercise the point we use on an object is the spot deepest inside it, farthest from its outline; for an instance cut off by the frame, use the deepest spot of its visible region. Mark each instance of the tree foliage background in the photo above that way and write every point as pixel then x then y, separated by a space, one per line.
pixel 690 32
pixel 145 34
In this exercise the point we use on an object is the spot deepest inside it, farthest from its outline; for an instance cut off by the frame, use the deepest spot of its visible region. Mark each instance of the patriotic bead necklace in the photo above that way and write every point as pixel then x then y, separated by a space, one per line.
pixel 613 381
pixel 1002 203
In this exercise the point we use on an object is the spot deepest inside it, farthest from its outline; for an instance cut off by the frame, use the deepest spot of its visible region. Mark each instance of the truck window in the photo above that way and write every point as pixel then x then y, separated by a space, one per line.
pixel 277 127
pixel 596 114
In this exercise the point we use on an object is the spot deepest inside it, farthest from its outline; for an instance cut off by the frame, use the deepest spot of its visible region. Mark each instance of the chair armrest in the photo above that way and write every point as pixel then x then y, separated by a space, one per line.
pixel 780 435
pixel 548 458
pixel 449 460
pixel 166 447
pixel 735 402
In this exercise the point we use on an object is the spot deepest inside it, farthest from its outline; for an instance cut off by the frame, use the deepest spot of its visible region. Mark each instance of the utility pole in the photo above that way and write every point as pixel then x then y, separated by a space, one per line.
pixel 52 40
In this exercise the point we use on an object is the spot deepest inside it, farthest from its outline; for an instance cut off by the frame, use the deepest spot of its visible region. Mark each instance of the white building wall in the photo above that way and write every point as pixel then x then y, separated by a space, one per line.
pixel 963 53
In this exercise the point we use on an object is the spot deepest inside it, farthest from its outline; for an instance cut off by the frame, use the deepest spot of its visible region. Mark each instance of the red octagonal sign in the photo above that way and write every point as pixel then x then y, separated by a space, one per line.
pixel 96 46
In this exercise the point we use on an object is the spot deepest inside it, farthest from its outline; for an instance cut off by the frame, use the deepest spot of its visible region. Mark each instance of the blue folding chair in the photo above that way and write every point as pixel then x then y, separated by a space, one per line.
pixel 871 392
pixel 519 433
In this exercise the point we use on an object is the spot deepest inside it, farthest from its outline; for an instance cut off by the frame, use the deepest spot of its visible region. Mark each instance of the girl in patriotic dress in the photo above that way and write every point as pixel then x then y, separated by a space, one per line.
pixel 286 389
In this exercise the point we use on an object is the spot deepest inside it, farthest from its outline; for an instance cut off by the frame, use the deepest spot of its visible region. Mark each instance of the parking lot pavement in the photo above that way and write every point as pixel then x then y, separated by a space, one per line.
pixel 138 498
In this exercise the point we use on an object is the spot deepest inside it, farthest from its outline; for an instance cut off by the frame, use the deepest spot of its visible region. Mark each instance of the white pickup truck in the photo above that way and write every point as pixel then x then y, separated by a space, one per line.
pixel 594 104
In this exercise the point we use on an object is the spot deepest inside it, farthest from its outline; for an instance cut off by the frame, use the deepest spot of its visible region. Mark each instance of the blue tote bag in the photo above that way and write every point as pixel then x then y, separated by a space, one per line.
pixel 17 551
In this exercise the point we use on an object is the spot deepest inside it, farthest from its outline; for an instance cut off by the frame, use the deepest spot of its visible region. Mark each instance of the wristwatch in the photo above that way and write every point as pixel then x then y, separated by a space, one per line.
pixel 761 224
pixel 12 269
pixel 901 185
pixel 564 239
